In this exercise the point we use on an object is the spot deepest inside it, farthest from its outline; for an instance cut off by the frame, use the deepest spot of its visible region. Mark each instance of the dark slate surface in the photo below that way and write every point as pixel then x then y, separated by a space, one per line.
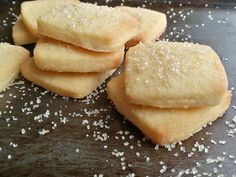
pixel 54 154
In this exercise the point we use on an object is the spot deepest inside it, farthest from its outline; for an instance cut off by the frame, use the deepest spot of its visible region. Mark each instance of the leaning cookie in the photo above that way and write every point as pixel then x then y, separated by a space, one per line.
pixel 152 24
pixel 21 34
pixel 53 55
pixel 97 28
pixel 174 75
pixel 164 126
pixel 75 85
pixel 10 59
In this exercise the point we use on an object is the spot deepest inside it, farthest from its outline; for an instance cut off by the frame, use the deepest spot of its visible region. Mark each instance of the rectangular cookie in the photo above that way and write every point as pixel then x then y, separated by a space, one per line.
pixel 54 55
pixel 174 74
pixel 164 126
pixel 75 85
pixel 97 28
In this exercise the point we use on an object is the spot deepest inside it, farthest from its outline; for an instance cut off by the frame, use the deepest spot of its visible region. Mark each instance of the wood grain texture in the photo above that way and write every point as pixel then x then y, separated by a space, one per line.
pixel 54 154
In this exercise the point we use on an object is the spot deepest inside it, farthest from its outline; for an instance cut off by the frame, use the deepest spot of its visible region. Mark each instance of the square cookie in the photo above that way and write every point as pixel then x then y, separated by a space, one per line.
pixel 97 28
pixel 75 85
pixel 164 126
pixel 54 55
pixel 174 75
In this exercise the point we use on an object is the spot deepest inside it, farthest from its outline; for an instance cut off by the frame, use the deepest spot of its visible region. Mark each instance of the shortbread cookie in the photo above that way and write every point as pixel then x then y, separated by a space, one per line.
pixel 10 59
pixel 174 74
pixel 97 28
pixel 153 24
pixel 164 126
pixel 31 10
pixel 21 34
pixel 75 85
pixel 53 55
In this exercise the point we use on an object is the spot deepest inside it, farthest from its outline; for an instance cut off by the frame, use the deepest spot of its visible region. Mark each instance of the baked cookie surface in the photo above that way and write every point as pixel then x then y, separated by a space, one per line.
pixel 31 10
pixel 172 74
pixel 75 85
pixel 10 59
pixel 164 126
pixel 21 34
pixel 53 55
pixel 152 24
pixel 97 28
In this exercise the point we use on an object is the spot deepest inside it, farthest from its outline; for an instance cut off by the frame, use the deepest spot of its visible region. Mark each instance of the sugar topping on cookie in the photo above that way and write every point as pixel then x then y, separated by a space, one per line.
pixel 88 14
pixel 178 72
pixel 97 28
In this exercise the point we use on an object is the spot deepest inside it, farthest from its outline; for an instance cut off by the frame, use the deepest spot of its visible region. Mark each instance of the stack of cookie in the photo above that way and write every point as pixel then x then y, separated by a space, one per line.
pixel 79 45
pixel 170 90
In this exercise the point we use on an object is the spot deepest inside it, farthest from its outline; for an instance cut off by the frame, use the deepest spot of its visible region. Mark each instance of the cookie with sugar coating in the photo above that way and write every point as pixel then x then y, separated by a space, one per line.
pixel 31 10
pixel 164 126
pixel 152 24
pixel 75 85
pixel 53 55
pixel 174 75
pixel 96 28
pixel 10 59
pixel 21 34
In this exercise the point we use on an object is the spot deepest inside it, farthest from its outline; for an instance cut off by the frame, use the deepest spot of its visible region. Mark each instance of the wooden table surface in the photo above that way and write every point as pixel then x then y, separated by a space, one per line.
pixel 89 137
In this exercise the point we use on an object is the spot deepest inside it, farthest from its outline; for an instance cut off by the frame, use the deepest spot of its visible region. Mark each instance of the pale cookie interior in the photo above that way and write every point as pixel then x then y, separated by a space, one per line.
pixel 53 55
pixel 10 60
pixel 31 10
pixel 97 28
pixel 164 126
pixel 21 34
pixel 172 74
pixel 75 85
pixel 153 24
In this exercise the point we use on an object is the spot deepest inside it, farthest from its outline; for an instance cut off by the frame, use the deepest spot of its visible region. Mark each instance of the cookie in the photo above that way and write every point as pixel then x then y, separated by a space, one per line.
pixel 174 75
pixel 31 10
pixel 164 126
pixel 21 34
pixel 75 85
pixel 152 24
pixel 10 60
pixel 97 28
pixel 53 55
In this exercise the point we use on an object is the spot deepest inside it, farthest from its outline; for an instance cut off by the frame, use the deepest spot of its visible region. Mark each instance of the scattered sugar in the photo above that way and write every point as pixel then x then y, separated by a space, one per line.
pixel 77 150
pixel 147 159
pixel 222 142
pixel 13 144
pixel 163 169
pixel 97 128
pixel 9 157
pixel 43 132
pixel 131 175
pixel 117 153
pixel 99 175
